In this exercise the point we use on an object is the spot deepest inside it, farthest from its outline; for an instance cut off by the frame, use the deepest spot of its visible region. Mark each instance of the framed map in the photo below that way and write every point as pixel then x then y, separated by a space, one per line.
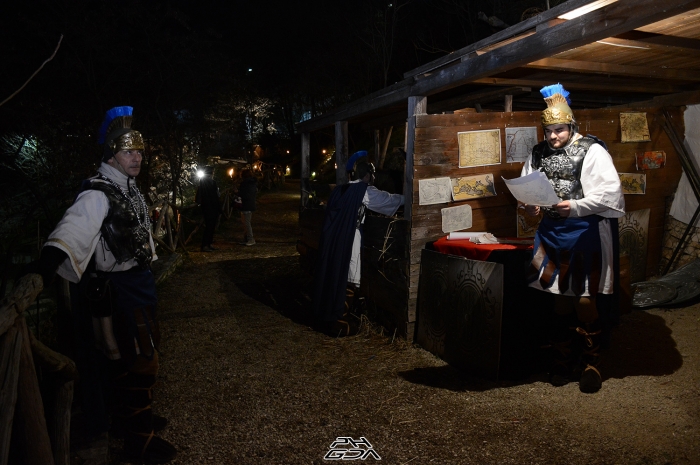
pixel 634 127
pixel 473 187
pixel 479 148
pixel 519 143
pixel 633 183
pixel 456 218
pixel 434 190
pixel 651 160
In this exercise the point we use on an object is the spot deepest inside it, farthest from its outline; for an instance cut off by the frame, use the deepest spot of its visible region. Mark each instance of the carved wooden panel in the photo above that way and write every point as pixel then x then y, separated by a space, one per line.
pixel 460 305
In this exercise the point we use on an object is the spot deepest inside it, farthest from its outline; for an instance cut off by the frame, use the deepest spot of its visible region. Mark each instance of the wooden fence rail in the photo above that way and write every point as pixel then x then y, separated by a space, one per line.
pixel 21 407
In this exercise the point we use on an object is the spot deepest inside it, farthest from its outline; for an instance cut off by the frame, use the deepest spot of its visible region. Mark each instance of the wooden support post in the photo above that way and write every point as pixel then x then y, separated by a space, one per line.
pixel 377 148
pixel 341 152
pixel 509 104
pixel 384 147
pixel 10 346
pixel 30 422
pixel 416 106
pixel 305 168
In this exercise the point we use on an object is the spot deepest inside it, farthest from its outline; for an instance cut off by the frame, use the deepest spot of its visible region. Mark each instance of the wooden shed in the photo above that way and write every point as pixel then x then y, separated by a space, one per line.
pixel 614 56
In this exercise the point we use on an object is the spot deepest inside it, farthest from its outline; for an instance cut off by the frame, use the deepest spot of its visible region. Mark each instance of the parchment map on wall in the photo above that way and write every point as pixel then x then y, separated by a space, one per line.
pixel 519 143
pixel 651 160
pixel 527 225
pixel 479 148
pixel 456 218
pixel 473 187
pixel 434 190
pixel 633 183
pixel 634 127
pixel 634 234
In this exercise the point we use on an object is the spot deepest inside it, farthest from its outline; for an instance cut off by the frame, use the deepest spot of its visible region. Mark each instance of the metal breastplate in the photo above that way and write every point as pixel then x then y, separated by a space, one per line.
pixel 563 166
pixel 122 231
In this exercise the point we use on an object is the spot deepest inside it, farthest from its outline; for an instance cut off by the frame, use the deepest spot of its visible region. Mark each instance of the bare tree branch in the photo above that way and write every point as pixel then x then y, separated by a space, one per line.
pixel 60 39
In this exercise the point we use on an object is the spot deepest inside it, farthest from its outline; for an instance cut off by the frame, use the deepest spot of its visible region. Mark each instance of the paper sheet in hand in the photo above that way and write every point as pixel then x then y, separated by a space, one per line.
pixel 533 189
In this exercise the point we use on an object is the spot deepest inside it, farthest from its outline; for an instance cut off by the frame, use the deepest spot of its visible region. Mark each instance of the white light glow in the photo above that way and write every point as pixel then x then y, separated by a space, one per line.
pixel 200 174
pixel 623 45
pixel 586 9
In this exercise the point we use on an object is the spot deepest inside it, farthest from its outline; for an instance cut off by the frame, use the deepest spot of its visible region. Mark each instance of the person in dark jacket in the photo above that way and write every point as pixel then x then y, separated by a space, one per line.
pixel 208 198
pixel 247 192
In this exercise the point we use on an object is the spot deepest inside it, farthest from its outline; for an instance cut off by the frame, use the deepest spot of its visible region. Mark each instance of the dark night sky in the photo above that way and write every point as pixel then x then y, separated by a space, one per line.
pixel 183 52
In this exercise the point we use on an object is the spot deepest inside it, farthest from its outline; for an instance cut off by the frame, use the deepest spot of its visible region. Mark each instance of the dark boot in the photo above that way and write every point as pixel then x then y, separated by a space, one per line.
pixel 563 357
pixel 561 371
pixel 140 441
pixel 590 380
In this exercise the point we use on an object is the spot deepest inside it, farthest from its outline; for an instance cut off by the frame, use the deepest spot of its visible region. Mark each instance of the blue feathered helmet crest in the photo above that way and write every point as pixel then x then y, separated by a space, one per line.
pixel 116 133
pixel 558 110
pixel 350 165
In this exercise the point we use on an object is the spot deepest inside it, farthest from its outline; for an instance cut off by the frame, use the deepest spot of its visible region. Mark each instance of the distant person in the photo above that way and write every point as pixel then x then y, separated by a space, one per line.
pixel 576 250
pixel 207 198
pixel 247 191
pixel 103 246
pixel 337 273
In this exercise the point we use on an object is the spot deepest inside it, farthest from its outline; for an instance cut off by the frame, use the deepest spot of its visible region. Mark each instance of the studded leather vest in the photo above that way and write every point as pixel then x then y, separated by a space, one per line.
pixel 122 231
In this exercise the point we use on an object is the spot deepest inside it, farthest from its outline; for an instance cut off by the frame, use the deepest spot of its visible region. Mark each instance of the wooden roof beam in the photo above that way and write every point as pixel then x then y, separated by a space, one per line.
pixel 589 67
pixel 619 17
pixel 481 97
pixel 656 42
pixel 607 86
pixel 524 27
pixel 462 101
pixel 386 97
pixel 683 98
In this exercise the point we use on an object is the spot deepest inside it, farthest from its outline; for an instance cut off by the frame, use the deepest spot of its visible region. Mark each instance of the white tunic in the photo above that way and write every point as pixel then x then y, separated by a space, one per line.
pixel 602 196
pixel 377 201
pixel 78 232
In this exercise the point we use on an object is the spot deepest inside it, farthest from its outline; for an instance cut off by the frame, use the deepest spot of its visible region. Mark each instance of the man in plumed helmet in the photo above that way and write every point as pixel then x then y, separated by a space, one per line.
pixel 575 257
pixel 103 246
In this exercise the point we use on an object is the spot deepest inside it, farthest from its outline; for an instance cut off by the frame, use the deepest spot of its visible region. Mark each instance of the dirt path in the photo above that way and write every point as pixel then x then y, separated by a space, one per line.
pixel 245 381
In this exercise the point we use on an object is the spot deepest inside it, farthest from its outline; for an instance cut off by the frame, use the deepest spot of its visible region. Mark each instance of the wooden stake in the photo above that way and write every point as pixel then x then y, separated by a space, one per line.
pixel 59 421
pixel 30 422
pixel 10 344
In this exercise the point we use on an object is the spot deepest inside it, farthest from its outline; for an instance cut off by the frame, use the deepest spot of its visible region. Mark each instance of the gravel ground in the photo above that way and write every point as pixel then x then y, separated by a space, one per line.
pixel 244 380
